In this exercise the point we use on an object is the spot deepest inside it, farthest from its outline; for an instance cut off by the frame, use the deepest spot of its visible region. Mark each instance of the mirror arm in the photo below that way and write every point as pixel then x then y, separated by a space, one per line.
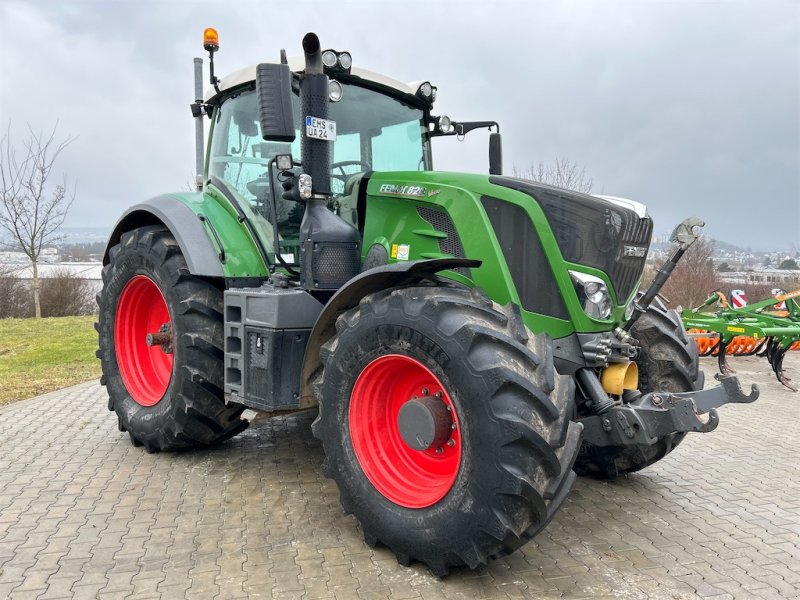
pixel 463 128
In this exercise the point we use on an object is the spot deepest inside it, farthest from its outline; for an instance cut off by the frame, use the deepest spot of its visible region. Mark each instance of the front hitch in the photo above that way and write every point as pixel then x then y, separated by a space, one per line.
pixel 652 416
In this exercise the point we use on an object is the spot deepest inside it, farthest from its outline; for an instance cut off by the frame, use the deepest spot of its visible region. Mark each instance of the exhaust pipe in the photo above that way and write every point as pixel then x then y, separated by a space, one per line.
pixel 330 254
pixel 315 154
pixel 313 54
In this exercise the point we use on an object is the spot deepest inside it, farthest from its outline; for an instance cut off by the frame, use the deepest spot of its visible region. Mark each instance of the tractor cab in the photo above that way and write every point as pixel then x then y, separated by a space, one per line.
pixel 373 124
pixel 380 125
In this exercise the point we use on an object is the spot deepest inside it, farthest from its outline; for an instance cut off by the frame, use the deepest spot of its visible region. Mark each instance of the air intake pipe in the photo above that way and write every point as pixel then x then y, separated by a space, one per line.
pixel 315 154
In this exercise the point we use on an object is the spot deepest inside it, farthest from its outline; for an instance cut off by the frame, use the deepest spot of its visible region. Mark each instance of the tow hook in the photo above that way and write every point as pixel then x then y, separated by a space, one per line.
pixel 652 416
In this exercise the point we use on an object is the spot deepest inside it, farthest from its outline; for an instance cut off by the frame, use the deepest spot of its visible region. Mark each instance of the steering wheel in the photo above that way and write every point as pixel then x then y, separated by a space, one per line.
pixel 343 177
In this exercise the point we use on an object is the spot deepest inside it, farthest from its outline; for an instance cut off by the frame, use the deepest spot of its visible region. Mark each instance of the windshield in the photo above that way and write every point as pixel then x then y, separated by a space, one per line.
pixel 375 132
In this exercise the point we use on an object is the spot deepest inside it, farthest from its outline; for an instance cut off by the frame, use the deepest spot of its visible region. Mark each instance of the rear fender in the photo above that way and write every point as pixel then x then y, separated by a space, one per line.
pixel 378 278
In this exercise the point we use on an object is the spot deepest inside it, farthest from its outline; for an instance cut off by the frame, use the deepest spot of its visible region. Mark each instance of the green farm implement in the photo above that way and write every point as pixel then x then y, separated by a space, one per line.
pixel 755 329
pixel 470 342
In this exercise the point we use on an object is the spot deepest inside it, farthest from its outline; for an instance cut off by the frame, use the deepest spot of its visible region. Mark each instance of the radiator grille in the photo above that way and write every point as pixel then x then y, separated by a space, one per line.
pixel 592 231
pixel 530 271
pixel 451 245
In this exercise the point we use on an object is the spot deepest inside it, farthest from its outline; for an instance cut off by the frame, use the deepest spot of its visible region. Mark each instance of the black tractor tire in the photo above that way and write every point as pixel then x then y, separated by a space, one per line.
pixel 512 413
pixel 668 361
pixel 191 410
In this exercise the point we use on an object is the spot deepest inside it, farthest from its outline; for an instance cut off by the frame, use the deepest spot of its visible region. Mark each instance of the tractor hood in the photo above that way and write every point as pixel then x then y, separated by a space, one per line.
pixel 609 234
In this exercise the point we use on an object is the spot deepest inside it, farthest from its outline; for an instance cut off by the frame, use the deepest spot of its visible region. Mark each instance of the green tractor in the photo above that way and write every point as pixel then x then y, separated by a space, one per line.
pixel 471 342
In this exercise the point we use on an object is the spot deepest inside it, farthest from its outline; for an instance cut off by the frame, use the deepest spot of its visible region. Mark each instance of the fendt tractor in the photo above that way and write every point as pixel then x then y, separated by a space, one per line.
pixel 471 342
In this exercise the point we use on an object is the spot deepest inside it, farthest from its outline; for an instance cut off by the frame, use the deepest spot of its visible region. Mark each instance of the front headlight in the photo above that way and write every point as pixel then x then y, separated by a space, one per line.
pixel 629 311
pixel 593 294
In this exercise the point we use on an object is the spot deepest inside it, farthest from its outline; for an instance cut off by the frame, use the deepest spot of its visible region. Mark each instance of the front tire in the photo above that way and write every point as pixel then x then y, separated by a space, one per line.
pixel 166 396
pixel 668 362
pixel 502 464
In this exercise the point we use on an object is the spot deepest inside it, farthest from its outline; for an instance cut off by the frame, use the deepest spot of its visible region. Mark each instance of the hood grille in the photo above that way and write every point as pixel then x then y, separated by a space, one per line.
pixel 593 232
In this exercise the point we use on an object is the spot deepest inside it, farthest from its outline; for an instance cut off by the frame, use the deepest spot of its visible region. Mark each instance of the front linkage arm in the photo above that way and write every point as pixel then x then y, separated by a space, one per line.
pixel 684 236
pixel 652 416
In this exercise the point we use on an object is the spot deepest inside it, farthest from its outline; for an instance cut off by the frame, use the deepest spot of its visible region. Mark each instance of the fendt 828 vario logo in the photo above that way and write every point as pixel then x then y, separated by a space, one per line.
pixel 402 190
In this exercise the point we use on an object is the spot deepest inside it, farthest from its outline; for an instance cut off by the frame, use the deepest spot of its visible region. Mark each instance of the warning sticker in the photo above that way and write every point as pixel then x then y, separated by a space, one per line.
pixel 403 251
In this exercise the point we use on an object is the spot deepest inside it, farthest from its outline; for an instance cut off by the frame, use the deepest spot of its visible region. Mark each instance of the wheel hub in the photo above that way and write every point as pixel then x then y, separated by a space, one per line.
pixel 162 338
pixel 424 423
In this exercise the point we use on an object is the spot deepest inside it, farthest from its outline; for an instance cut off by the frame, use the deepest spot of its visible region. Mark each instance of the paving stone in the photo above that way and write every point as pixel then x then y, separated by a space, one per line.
pixel 83 514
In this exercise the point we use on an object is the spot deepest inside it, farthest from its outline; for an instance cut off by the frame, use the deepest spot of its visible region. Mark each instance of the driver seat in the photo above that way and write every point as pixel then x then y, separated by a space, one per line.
pixel 347 203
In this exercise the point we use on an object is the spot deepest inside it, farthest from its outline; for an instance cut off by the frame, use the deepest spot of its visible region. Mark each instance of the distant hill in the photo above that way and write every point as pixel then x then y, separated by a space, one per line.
pixel 661 242
pixel 85 235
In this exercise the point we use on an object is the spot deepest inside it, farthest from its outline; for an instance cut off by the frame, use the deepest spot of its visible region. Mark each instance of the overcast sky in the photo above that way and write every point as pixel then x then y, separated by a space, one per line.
pixel 690 107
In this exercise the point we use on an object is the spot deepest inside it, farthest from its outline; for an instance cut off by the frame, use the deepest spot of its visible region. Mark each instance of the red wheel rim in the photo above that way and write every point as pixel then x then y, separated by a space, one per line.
pixel 146 370
pixel 410 478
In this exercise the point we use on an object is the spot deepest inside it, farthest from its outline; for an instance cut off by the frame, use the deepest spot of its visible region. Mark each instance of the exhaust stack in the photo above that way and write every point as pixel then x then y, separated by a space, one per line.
pixel 313 53
pixel 315 154
pixel 330 250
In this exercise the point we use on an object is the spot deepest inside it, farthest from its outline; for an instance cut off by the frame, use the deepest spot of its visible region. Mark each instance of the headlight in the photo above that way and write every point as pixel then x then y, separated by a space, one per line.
pixel 329 58
pixel 445 124
pixel 284 162
pixel 337 61
pixel 334 90
pixel 593 294
pixel 304 186
pixel 425 90
pixel 345 61
pixel 629 311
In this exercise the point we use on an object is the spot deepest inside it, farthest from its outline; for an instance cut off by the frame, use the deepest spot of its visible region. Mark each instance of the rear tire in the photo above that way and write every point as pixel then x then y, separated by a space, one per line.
pixel 164 400
pixel 668 362
pixel 509 466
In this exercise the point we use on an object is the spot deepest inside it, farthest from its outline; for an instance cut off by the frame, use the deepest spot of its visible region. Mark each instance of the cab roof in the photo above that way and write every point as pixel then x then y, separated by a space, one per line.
pixel 297 64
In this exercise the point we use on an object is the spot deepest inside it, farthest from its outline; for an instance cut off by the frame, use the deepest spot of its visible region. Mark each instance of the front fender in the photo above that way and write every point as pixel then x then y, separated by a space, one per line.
pixel 201 256
pixel 378 278
pixel 212 239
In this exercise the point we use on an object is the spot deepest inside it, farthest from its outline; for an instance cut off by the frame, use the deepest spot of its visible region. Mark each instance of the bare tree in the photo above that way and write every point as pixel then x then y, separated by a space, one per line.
pixel 562 173
pixel 32 210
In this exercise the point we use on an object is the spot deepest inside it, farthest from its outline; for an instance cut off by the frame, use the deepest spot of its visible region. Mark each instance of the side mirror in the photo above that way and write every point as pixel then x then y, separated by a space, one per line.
pixel 274 88
pixel 495 154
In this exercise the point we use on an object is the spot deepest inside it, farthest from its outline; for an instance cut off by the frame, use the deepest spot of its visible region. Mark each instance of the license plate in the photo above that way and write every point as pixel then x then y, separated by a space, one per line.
pixel 321 129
